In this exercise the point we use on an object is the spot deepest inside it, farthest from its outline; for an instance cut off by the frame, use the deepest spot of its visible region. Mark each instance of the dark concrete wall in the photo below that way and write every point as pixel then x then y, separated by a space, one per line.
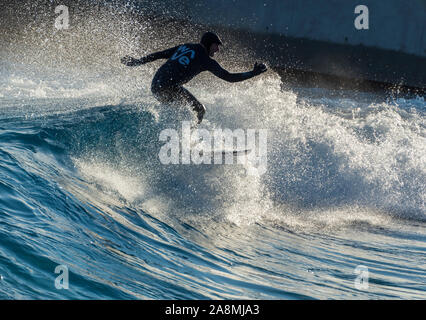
pixel 319 36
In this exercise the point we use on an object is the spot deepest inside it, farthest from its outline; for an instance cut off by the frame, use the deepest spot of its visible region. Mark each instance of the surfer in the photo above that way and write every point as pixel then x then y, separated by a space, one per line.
pixel 184 63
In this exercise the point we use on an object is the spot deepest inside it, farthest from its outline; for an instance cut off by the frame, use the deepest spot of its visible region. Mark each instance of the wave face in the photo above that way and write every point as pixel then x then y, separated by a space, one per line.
pixel 82 186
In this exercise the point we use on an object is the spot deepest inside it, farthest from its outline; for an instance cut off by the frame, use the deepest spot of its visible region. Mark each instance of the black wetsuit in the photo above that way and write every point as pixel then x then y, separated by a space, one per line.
pixel 184 63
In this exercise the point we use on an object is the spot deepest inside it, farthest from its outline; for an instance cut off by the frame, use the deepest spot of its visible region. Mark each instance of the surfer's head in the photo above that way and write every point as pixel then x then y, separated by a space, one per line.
pixel 211 42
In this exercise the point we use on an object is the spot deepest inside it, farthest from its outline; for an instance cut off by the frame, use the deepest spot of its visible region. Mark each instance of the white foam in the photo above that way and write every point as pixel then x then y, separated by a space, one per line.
pixel 322 152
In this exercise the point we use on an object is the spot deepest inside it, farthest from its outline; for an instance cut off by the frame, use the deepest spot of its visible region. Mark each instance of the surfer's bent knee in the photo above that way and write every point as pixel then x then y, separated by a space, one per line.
pixel 161 94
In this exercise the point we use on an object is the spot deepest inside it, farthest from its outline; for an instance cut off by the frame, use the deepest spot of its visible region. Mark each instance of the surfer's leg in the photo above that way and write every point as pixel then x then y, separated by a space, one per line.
pixel 197 106
pixel 178 95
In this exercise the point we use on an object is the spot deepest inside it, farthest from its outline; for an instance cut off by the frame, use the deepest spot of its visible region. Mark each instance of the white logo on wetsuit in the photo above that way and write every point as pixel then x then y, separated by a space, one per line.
pixel 181 55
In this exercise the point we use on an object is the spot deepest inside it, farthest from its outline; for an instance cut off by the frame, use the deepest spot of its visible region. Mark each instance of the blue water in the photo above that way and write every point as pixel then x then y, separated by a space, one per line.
pixel 82 187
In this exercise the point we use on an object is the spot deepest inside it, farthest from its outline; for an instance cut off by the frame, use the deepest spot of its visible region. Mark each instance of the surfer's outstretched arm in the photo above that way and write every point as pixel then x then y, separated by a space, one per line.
pixel 133 62
pixel 218 71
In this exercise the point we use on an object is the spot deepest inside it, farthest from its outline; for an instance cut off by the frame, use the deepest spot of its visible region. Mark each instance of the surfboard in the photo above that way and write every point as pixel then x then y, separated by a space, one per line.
pixel 216 155
pixel 233 152
pixel 227 156
pixel 221 155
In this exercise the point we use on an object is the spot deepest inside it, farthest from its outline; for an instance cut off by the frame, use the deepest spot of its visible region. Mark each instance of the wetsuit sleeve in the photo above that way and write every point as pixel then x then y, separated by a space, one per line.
pixel 166 54
pixel 215 68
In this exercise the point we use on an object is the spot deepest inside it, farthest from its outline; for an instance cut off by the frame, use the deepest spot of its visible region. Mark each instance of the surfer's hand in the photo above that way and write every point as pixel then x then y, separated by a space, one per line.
pixel 130 61
pixel 259 68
